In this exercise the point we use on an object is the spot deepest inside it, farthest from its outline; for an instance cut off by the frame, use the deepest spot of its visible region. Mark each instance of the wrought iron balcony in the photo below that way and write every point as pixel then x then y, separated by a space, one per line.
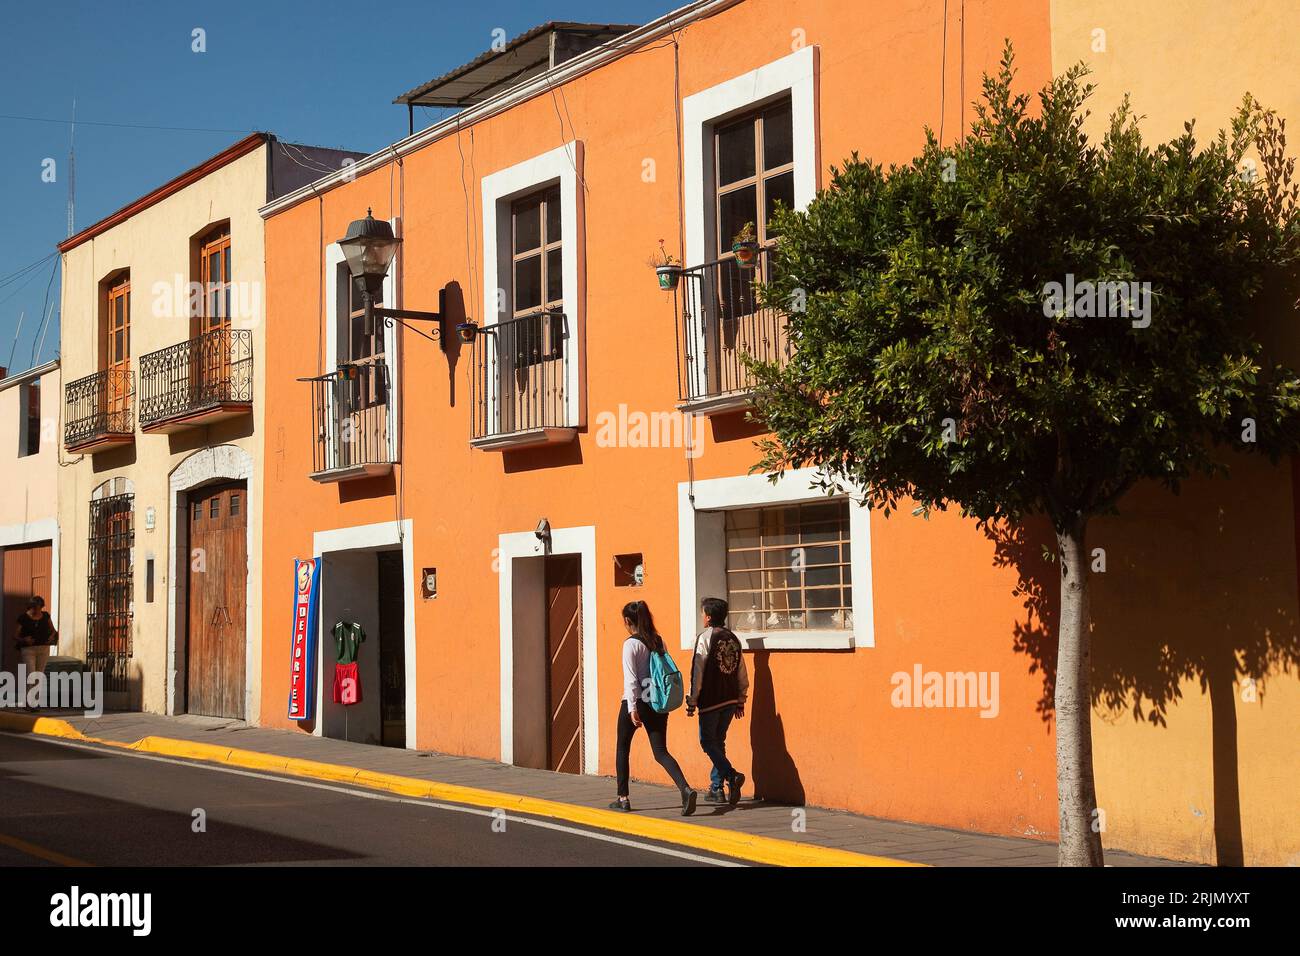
pixel 721 324
pixel 97 410
pixel 351 423
pixel 521 383
pixel 197 382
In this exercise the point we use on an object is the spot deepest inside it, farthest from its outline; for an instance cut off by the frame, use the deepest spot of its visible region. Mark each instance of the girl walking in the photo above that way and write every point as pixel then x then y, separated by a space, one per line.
pixel 635 710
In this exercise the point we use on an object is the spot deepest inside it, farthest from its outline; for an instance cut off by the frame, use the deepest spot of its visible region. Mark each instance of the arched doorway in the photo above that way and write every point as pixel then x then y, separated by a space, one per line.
pixel 209 583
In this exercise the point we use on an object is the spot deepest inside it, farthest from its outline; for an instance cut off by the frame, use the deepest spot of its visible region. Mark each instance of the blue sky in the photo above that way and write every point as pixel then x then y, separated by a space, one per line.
pixel 323 72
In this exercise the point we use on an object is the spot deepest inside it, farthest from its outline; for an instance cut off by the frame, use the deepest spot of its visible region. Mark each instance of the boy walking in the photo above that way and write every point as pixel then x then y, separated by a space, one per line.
pixel 719 688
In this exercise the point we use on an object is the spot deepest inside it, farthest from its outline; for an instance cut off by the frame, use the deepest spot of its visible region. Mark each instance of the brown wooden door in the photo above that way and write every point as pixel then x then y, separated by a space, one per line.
pixel 216 594
pixel 26 571
pixel 564 662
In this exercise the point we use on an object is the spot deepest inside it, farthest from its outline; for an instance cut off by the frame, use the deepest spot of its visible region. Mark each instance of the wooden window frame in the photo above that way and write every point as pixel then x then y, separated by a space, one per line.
pixel 758 180
pixel 216 241
pixel 552 344
pixel 115 289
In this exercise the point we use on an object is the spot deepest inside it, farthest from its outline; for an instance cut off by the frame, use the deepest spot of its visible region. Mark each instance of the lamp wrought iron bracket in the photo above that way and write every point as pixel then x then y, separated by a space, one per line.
pixel 403 316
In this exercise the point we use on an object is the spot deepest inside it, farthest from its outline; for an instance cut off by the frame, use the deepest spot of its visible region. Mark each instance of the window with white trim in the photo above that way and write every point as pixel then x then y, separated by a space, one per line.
pixel 789 567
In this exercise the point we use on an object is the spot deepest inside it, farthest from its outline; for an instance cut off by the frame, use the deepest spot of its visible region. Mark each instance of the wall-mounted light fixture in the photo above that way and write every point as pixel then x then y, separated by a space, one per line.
pixel 369 247
pixel 543 533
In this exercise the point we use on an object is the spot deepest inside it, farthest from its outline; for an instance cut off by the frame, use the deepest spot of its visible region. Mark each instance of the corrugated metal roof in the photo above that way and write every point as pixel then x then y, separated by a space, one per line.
pixel 520 59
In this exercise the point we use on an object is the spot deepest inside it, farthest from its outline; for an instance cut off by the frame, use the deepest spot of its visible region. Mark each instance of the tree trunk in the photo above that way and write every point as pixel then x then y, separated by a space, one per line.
pixel 1076 792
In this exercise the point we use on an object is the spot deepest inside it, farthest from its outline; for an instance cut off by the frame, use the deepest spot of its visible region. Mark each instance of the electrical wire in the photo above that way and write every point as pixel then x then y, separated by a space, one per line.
pixel 943 73
pixel 26 269
pixel 45 312
pixel 470 243
pixel 305 163
pixel 961 78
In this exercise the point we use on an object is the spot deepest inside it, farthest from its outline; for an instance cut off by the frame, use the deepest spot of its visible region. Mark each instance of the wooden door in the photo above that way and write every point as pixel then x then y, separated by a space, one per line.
pixel 392 650
pixel 564 662
pixel 217 579
pixel 117 356
pixel 26 572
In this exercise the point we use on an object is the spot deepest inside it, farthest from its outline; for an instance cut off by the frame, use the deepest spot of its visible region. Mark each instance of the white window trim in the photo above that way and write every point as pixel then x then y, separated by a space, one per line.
pixel 755 491
pixel 392 291
pixel 370 537
pixel 795 74
pixel 526 544
pixel 563 165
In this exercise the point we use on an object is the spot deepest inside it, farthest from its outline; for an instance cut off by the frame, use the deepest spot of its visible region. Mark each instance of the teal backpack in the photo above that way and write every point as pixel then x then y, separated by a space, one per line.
pixel 665 690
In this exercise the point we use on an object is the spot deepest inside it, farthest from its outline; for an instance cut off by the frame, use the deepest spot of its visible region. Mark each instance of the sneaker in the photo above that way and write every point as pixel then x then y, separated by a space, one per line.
pixel 733 787
pixel 715 796
pixel 623 804
pixel 688 802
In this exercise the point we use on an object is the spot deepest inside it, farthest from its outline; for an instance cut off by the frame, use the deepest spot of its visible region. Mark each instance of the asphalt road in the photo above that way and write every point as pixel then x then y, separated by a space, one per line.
pixel 62 804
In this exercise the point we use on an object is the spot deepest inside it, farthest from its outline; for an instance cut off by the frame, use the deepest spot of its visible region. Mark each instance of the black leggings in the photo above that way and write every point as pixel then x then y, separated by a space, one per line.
pixel 656 728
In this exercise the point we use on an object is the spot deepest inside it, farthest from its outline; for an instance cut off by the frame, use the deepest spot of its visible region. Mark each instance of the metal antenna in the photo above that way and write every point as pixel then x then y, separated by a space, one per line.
pixel 72 170
pixel 17 332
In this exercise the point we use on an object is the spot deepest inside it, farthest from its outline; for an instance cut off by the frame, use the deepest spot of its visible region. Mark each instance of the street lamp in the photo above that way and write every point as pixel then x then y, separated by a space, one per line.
pixel 369 247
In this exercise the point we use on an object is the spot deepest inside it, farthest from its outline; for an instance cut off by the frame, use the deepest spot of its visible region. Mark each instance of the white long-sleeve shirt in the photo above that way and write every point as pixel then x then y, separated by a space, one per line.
pixel 636 671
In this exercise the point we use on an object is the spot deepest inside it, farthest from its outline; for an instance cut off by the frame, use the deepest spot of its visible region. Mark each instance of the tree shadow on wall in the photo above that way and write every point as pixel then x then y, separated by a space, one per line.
pixel 1198 586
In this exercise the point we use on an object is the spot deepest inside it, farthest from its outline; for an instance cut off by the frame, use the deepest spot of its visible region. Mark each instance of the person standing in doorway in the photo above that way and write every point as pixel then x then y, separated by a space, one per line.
pixel 635 710
pixel 34 635
pixel 719 688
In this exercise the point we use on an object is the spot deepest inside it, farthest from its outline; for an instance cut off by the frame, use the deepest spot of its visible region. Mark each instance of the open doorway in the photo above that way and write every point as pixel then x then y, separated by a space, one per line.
pixel 363 646
pixel 392 651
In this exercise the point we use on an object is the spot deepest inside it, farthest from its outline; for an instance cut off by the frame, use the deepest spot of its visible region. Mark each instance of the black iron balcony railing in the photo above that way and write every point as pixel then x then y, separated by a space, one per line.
pixel 721 323
pixel 520 379
pixel 350 420
pixel 97 408
pixel 212 371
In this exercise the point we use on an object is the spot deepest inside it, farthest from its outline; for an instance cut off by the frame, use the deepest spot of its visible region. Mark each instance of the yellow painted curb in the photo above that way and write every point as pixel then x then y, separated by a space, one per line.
pixel 733 843
pixel 45 726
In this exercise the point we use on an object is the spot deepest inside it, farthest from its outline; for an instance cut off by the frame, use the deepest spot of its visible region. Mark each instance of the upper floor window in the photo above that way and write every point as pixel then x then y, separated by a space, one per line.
pixel 214 278
pixel 29 425
pixel 369 388
pixel 537 274
pixel 357 346
pixel 116 325
pixel 754 160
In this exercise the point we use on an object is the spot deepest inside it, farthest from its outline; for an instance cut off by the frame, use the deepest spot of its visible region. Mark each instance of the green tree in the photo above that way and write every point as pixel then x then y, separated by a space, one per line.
pixel 936 361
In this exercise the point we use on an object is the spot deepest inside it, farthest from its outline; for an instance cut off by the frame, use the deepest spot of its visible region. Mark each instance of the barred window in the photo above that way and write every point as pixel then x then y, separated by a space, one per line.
pixel 789 567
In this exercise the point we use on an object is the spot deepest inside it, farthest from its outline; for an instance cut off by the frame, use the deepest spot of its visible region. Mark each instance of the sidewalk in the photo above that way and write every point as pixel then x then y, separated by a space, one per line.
pixel 837 830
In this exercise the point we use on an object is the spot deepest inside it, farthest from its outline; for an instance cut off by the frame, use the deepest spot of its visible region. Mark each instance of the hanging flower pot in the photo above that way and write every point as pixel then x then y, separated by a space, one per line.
pixel 745 247
pixel 746 253
pixel 669 276
pixel 667 267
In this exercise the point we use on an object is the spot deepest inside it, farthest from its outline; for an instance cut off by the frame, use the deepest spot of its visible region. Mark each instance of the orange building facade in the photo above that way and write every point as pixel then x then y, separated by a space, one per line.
pixel 483 509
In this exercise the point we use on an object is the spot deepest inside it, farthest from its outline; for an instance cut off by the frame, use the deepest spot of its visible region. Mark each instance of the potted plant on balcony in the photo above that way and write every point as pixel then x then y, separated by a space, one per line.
pixel 667 268
pixel 745 246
